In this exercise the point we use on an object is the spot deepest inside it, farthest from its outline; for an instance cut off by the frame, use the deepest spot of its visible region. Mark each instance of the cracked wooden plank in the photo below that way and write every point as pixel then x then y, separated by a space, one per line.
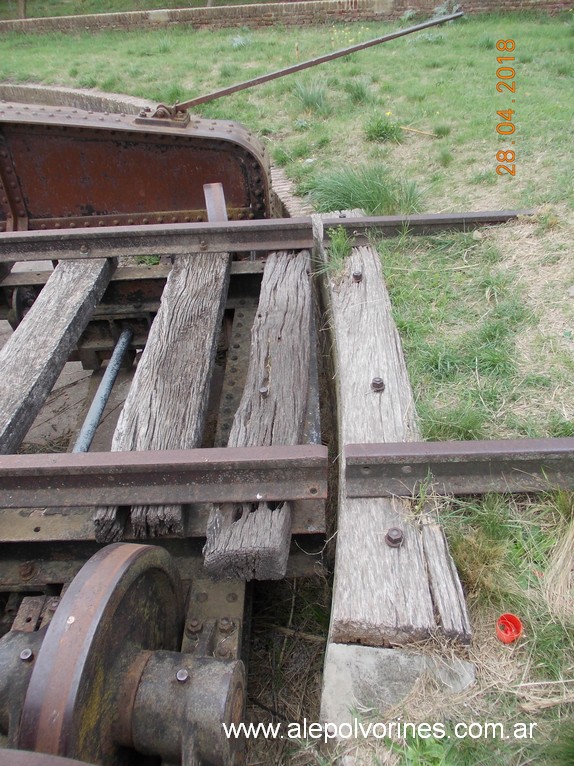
pixel 252 542
pixel 38 349
pixel 382 595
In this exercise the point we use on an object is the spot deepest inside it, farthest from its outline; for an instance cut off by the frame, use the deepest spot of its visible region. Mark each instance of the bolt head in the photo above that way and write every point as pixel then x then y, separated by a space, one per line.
pixel 226 625
pixel 193 627
pixel 264 392
pixel 378 384
pixel 357 276
pixel 26 655
pixel 182 675
pixel 394 537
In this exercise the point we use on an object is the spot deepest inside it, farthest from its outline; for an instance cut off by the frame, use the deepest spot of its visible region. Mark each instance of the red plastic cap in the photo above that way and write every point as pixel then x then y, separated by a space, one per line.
pixel 508 628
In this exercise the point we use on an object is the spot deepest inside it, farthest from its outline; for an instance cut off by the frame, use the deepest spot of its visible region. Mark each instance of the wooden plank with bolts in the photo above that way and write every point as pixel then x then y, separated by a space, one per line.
pixel 167 402
pixel 382 594
pixel 36 352
pixel 246 542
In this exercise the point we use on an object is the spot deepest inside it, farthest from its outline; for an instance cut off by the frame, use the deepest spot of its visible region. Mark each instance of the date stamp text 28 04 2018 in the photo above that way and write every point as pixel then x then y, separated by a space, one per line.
pixel 505 74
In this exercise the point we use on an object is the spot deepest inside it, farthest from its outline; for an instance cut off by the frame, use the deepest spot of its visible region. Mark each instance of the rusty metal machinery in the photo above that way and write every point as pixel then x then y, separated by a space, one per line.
pixel 106 682
pixel 118 172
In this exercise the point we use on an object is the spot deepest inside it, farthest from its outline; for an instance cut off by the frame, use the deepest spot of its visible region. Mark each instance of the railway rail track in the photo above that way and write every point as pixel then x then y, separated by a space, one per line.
pixel 125 562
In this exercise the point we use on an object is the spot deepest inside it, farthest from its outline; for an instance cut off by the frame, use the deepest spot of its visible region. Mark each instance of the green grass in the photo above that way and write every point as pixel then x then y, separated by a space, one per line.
pixel 371 188
pixel 379 128
pixel 448 89
pixel 43 8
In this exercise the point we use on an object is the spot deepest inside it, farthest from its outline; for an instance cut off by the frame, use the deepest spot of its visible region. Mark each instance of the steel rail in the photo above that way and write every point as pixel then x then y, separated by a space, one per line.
pixel 459 468
pixel 184 105
pixel 247 474
pixel 234 236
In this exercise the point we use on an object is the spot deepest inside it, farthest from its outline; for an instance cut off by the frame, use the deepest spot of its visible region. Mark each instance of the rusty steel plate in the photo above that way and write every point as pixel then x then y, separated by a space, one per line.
pixel 459 468
pixel 63 168
pixel 125 603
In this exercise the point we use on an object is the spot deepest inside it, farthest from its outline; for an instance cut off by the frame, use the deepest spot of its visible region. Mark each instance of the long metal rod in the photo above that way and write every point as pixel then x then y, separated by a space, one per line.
pixel 459 468
pixel 163 477
pixel 235 236
pixel 92 420
pixel 311 63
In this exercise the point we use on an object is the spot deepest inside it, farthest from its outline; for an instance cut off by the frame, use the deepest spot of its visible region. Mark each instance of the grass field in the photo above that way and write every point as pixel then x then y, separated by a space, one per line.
pixel 42 8
pixel 486 319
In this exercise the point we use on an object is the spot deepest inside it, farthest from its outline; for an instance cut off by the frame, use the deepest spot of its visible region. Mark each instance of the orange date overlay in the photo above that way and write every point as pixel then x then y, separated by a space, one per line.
pixel 505 82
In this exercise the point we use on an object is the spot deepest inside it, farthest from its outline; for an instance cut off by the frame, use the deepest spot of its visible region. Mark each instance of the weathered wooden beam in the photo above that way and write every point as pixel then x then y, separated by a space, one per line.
pixel 36 352
pixel 167 402
pixel 382 594
pixel 252 542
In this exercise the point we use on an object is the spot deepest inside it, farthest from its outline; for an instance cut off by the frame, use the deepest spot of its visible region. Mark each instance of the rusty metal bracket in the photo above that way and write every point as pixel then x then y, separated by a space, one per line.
pixel 459 468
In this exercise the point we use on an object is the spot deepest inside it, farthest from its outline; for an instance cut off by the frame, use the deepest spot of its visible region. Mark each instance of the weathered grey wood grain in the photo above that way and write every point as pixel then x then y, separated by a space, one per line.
pixel 167 401
pixel 382 595
pixel 253 543
pixel 36 352
pixel 447 594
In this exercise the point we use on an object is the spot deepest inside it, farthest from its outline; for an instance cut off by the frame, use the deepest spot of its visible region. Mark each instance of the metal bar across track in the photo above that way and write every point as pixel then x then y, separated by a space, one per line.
pixel 218 475
pixel 231 236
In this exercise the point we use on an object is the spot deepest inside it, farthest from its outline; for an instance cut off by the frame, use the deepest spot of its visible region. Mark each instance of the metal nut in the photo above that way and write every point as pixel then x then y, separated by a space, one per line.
pixel 394 537
pixel 264 392
pixel 27 569
pixel 193 627
pixel 357 276
pixel 226 625
pixel 378 384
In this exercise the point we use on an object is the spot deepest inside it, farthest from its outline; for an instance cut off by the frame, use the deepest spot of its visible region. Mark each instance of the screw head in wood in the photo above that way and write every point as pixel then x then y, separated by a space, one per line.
pixel 394 537
pixel 378 384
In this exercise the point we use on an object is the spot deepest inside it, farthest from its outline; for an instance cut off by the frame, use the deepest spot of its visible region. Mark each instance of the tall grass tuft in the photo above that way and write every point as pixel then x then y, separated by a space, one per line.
pixel 312 97
pixel 370 187
pixel 380 129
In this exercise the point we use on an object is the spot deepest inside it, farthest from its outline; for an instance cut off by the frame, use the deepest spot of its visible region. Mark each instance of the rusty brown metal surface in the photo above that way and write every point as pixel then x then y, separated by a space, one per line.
pixel 459 468
pixel 62 168
pixel 167 112
pixel 125 600
pixel 233 236
pixel 247 474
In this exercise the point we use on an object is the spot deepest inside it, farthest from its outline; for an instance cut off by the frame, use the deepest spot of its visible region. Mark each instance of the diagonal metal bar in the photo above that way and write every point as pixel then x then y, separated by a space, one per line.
pixel 181 107
pixel 459 468
pixel 249 474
